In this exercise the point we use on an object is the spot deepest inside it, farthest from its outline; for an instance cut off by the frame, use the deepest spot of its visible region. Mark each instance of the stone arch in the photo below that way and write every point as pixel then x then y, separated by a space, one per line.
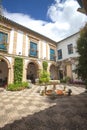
pixel 4 71
pixel 32 70
pixel 7 61
pixel 53 72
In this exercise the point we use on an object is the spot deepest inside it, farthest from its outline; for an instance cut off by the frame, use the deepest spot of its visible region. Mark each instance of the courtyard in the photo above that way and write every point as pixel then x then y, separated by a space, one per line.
pixel 27 110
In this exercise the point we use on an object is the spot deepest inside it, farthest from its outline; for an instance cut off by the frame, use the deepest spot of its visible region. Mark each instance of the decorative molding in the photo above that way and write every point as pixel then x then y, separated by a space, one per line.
pixel 5 27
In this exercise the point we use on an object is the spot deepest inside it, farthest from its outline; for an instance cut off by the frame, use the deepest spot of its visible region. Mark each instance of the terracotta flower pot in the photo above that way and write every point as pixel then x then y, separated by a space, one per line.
pixel 59 92
pixel 48 92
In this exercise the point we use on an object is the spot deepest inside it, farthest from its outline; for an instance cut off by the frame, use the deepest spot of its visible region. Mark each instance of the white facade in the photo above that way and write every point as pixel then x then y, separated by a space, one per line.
pixel 63 46
pixel 68 60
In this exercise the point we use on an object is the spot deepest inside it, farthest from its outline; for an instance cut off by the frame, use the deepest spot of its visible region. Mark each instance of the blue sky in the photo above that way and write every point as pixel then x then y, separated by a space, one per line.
pixel 56 19
pixel 35 8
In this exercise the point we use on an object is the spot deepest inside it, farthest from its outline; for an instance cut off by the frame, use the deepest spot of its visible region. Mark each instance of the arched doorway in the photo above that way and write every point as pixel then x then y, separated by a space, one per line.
pixel 3 73
pixel 53 72
pixel 32 72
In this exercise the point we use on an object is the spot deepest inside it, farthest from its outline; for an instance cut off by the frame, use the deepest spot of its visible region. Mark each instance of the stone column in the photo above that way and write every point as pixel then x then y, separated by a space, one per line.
pixel 15 42
pixel 24 44
pixel 24 71
pixel 11 74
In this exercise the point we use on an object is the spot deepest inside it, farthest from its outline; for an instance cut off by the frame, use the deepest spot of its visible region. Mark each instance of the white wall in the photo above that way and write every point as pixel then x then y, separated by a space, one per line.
pixel 43 49
pixel 19 42
pixel 63 45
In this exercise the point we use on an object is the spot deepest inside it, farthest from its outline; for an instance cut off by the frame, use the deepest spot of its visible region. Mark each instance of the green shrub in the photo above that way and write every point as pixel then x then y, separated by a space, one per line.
pixel 24 84
pixel 62 81
pixel 44 77
pixel 17 86
pixel 65 80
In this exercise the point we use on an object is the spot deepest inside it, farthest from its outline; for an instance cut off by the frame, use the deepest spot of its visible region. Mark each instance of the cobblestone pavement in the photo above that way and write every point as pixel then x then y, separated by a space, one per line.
pixel 27 110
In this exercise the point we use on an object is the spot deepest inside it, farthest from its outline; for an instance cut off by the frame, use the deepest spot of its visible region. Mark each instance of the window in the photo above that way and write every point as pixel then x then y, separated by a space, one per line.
pixel 3 41
pixel 70 48
pixel 60 54
pixel 52 54
pixel 33 49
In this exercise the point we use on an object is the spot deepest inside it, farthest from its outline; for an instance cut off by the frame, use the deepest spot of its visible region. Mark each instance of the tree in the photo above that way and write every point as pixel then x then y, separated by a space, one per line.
pixel 81 68
pixel 45 65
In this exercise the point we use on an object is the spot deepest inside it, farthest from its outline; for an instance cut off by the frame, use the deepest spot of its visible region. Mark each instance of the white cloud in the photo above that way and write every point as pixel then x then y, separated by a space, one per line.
pixel 65 20
pixel 67 16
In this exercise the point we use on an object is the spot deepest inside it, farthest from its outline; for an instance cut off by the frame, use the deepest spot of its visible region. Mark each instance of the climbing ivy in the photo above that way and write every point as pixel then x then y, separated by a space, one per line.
pixel 18 70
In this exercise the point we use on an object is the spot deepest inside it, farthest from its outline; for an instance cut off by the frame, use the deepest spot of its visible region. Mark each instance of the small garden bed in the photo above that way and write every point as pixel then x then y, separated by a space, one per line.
pixel 17 86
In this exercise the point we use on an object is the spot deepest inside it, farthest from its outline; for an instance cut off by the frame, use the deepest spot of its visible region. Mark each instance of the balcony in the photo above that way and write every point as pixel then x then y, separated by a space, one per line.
pixel 33 53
